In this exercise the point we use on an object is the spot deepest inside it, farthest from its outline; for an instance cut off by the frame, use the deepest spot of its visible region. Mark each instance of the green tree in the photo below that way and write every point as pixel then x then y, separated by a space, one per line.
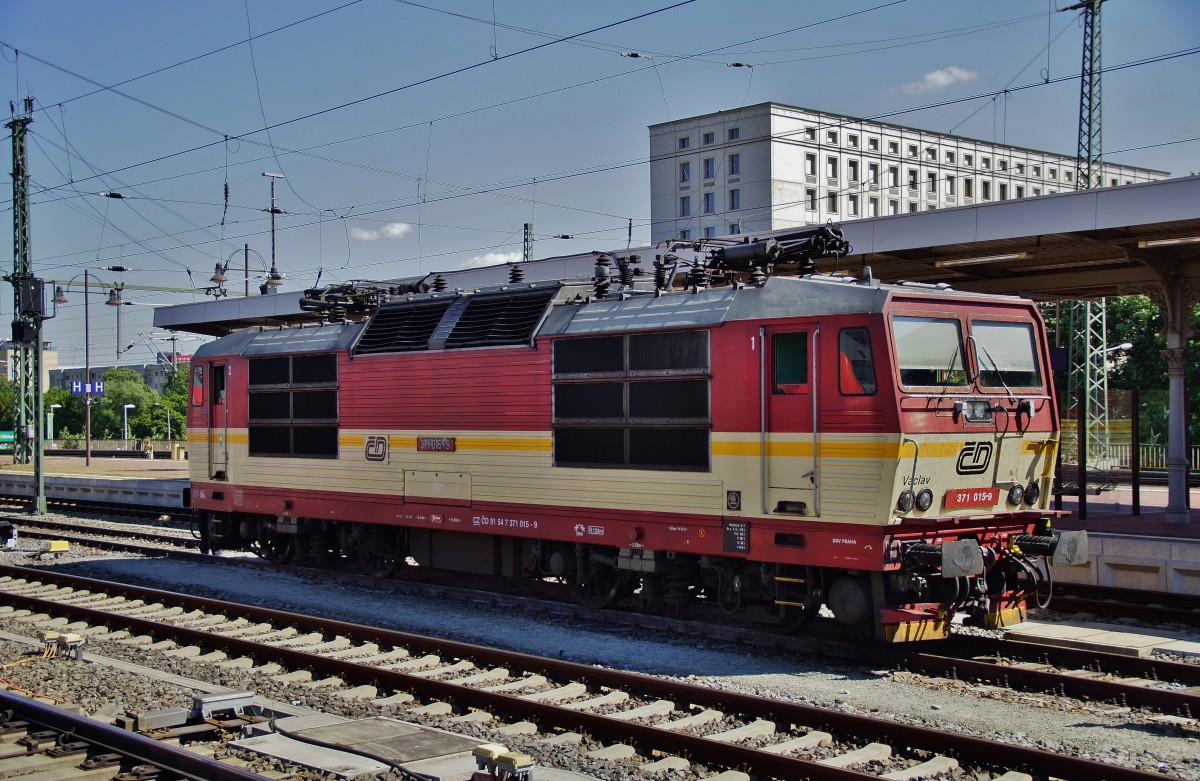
pixel 172 406
pixel 68 419
pixel 123 386
pixel 8 404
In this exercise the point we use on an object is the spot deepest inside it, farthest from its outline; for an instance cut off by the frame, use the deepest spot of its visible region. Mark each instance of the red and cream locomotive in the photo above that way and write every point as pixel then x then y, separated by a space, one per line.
pixel 760 443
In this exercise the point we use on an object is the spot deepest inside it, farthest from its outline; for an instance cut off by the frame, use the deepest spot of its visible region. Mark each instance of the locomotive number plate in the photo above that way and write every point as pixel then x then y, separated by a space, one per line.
pixel 971 497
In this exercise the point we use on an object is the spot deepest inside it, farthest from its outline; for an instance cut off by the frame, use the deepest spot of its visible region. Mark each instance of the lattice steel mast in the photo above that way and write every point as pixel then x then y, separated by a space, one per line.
pixel 1088 318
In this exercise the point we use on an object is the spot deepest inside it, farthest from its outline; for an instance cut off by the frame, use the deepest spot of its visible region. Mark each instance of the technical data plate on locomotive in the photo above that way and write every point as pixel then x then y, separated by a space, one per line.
pixel 972 497
pixel 735 537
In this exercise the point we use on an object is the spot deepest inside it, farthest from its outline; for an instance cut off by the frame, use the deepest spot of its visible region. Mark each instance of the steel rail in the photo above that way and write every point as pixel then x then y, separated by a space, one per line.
pixel 120 741
pixel 970 749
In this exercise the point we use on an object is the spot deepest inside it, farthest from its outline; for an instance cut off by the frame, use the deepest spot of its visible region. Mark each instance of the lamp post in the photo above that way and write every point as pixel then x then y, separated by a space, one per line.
pixel 50 420
pixel 166 407
pixel 125 419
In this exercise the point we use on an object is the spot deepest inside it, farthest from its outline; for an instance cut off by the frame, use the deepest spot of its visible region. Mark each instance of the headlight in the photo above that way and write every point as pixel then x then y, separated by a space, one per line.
pixel 924 499
pixel 1032 493
pixel 974 410
pixel 905 503
pixel 1016 495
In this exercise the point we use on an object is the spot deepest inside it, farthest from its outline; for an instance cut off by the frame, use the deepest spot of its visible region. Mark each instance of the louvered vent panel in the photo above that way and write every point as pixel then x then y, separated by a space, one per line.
pixel 491 320
pixel 402 327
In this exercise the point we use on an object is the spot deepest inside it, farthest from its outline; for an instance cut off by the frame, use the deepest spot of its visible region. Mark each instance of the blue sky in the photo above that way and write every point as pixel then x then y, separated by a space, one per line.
pixel 387 176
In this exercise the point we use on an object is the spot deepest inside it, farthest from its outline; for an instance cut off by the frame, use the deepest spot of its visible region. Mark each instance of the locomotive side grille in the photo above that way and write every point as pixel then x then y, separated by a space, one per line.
pixel 494 320
pixel 293 406
pixel 636 401
pixel 402 328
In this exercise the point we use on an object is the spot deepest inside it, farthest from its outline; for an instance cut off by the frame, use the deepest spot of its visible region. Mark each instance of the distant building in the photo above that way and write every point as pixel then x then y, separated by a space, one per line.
pixel 8 355
pixel 771 166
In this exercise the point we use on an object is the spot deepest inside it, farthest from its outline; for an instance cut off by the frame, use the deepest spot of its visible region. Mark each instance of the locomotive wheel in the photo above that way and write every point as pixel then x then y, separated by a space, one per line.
pixel 276 548
pixel 800 591
pixel 601 587
pixel 377 565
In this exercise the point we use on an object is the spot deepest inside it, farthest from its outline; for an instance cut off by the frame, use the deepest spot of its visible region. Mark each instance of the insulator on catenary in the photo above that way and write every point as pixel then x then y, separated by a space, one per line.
pixel 439 284
pixel 626 270
pixel 516 273
pixel 698 276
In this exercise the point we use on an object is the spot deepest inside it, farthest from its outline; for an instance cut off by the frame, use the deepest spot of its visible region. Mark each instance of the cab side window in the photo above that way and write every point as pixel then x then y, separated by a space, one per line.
pixel 856 366
pixel 791 363
pixel 197 386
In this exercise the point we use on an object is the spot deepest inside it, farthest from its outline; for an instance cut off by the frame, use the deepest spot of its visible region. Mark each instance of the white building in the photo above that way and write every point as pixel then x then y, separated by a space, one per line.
pixel 772 166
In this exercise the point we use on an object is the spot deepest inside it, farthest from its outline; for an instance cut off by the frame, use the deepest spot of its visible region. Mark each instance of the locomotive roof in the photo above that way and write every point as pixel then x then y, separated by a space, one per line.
pixel 516 314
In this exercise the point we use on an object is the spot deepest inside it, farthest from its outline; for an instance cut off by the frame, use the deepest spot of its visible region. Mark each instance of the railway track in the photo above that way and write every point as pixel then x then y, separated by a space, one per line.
pixel 1005 666
pixel 41 741
pixel 1124 602
pixel 665 720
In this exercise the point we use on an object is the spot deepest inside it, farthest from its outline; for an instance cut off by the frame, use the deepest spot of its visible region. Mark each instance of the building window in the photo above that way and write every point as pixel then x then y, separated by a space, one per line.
pixel 1003 191
pixel 735 165
pixel 968 160
pixel 685 235
pixel 912 150
pixel 852 140
pixel 710 167
pixel 873 207
pixel 873 144
pixel 734 133
pixel 831 167
pixel 1037 191
pixel 950 158
pixel 932 177
pixel 930 153
pixel 985 189
pixel 1021 169
pixel 685 173
pixel 831 202
pixel 893 176
pixel 735 199
pixel 708 138
pixel 1002 165
pixel 968 188
pixel 1067 175
pixel 893 147
pixel 1037 171
pixel 852 170
pixel 735 228
pixel 950 185
pixel 685 142
pixel 1020 191
pixel 852 205
pixel 810 165
pixel 810 199
pixel 912 207
pixel 985 163
pixel 685 206
pixel 710 202
pixel 893 207
pixel 710 232
pixel 1052 173
pixel 873 173
pixel 831 137
pixel 912 179
pixel 1112 182
pixel 810 133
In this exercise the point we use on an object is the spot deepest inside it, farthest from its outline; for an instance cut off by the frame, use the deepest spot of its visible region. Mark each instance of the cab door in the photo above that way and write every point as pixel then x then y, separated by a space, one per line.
pixel 218 422
pixel 789 430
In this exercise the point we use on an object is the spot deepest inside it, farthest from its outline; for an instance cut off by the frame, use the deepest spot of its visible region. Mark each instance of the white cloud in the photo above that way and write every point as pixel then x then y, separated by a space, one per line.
pixel 939 79
pixel 492 259
pixel 393 230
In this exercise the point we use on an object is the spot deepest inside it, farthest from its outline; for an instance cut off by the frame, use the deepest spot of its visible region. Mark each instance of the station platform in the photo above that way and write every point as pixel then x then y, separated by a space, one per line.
pixel 149 482
pixel 1135 551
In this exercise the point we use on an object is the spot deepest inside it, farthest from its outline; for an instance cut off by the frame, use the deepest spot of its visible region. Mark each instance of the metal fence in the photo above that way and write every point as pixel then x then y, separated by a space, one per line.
pixel 1153 456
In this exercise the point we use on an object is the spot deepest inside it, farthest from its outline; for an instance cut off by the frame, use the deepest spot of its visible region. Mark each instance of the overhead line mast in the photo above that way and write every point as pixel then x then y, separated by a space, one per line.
pixel 1088 319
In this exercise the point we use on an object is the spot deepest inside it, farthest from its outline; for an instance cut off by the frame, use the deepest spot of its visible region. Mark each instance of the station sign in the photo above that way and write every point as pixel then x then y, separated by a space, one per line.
pixel 81 388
